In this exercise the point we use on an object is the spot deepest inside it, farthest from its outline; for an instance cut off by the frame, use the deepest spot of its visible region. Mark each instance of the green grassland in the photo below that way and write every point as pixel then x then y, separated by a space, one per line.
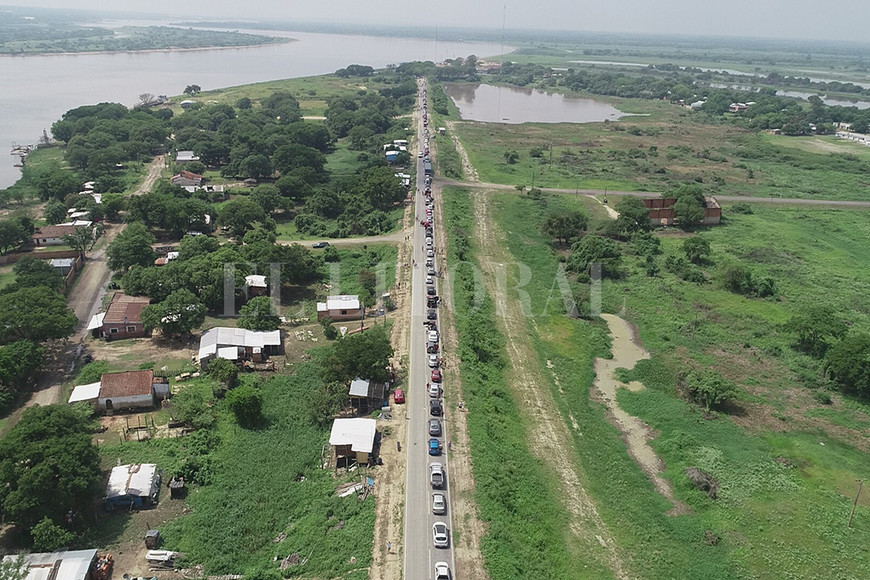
pixel 668 147
pixel 821 449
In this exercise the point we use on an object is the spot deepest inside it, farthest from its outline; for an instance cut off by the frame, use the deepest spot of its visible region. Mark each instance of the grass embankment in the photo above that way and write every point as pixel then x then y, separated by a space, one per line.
pixel 265 482
pixel 441 108
pixel 517 499
pixel 669 147
pixel 683 324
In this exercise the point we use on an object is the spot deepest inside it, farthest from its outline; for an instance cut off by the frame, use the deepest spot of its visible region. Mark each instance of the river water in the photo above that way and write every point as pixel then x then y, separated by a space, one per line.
pixel 512 105
pixel 37 90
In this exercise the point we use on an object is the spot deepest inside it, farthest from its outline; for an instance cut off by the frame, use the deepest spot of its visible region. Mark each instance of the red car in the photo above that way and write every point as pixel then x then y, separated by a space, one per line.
pixel 399 396
pixel 436 375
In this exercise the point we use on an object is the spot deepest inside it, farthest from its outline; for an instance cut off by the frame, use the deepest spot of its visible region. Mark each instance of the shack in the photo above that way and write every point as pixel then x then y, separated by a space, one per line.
pixel 366 394
pixel 353 439
pixel 661 211
pixel 131 390
pixel 59 565
pixel 255 285
pixel 340 307
pixel 237 345
pixel 136 485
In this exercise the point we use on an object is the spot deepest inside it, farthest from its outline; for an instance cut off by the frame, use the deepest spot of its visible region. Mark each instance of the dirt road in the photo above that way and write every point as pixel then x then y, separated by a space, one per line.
pixel 393 238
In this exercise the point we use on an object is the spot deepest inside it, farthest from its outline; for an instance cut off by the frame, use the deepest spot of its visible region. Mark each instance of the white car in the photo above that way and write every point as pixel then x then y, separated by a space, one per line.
pixel 439 504
pixel 440 537
pixel 430 271
pixel 429 280
pixel 434 390
pixel 430 253
pixel 433 361
pixel 433 336
pixel 442 571
pixel 420 155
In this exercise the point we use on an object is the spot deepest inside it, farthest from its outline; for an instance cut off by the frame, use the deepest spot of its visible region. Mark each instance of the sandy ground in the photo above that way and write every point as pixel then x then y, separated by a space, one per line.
pixel 467 168
pixel 636 434
pixel 550 440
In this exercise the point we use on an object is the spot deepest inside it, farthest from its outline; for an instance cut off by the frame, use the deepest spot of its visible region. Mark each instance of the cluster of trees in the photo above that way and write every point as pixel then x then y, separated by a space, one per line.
pixel 14 231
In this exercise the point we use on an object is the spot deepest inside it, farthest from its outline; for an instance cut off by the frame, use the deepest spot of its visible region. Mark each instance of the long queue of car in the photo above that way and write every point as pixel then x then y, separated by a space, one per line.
pixel 434 387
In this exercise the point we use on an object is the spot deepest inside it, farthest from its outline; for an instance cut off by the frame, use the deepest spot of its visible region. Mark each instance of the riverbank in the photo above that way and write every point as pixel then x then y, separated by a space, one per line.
pixel 276 40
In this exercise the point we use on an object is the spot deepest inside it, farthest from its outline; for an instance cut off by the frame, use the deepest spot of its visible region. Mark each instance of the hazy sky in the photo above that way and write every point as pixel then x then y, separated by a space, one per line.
pixel 801 19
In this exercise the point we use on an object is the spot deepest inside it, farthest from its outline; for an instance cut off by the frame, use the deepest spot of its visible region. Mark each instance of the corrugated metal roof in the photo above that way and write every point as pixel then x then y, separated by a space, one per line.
pixel 340 302
pixel 214 339
pixel 125 308
pixel 96 321
pixel 81 393
pixel 358 433
pixel 69 564
pixel 359 388
pixel 137 480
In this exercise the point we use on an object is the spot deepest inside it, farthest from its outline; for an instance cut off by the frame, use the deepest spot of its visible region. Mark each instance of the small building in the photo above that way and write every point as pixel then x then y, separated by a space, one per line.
pixel 661 211
pixel 51 235
pixel 237 345
pixel 62 265
pixel 353 439
pixel 131 390
pixel 135 485
pixel 59 565
pixel 255 285
pixel 366 394
pixel 122 318
pixel 185 157
pixel 341 307
pixel 391 156
pixel 163 260
pixel 442 130
pixel 187 103
pixel 89 394
pixel 250 182
pixel 183 178
pixel 400 142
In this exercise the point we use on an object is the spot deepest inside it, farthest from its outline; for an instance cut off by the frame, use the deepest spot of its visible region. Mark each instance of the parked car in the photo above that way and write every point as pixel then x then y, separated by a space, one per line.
pixel 435 407
pixel 433 361
pixel 398 396
pixel 320 245
pixel 434 447
pixel 430 280
pixel 442 571
pixel 430 252
pixel 436 475
pixel 433 336
pixel 420 155
pixel 434 391
pixel 432 314
pixel 440 537
pixel 434 428
pixel 439 504
pixel 436 375
pixel 430 270
pixel 431 291
pixel 432 302
pixel 432 347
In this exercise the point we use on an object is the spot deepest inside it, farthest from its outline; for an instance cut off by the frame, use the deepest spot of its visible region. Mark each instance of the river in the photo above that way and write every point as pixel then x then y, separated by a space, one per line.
pixel 37 90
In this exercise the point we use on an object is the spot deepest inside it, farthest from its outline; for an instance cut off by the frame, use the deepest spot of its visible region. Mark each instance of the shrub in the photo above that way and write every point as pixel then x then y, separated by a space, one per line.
pixel 709 389
pixel 246 403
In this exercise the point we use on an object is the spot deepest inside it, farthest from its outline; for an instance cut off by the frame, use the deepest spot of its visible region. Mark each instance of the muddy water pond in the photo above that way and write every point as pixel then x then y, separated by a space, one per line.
pixel 513 105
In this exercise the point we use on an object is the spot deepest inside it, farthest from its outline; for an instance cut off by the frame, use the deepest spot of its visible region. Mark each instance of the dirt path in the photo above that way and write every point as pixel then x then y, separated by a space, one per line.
pixel 627 352
pixel 549 440
pixel 467 168
pixel 395 237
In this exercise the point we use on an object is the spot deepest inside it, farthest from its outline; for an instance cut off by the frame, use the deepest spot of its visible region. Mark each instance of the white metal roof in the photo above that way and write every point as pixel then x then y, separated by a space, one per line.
pixel 96 321
pixel 69 565
pixel 340 302
pixel 61 262
pixel 228 352
pixel 215 339
pixel 358 433
pixel 186 156
pixel 134 480
pixel 359 388
pixel 81 393
pixel 255 281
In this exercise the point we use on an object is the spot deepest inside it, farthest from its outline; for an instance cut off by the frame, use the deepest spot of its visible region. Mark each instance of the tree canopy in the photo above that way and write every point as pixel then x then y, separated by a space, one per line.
pixel 848 362
pixel 697 249
pixel 594 249
pixel 30 272
pixel 633 215
pixel 35 314
pixel 180 313
pixel 365 355
pixel 257 315
pixel 817 327
pixel 564 225
pixel 131 247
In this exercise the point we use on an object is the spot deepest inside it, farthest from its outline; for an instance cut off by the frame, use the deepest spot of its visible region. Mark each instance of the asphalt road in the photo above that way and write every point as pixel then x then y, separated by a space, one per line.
pixel 420 552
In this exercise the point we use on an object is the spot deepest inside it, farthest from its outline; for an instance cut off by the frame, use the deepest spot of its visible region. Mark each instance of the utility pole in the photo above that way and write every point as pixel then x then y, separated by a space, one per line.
pixel 855 503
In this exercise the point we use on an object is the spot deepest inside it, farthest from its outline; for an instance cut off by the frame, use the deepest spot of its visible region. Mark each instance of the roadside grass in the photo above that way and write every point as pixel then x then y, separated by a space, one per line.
pixel 669 147
pixel 516 495
pixel 265 482
pixel 343 276
pixel 818 253
pixel 448 159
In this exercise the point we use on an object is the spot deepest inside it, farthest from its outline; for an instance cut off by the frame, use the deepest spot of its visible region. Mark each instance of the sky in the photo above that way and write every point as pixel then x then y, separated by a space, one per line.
pixel 798 19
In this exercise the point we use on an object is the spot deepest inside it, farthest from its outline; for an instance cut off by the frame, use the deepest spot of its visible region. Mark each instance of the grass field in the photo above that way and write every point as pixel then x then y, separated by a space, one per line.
pixel 821 448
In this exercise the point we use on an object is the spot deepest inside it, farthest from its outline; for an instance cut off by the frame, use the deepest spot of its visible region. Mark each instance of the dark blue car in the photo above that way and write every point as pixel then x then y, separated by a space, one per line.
pixel 434 447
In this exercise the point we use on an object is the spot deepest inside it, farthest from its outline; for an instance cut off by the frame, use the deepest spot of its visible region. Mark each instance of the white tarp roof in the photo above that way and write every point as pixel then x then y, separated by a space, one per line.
pixel 61 262
pixel 69 565
pixel 81 393
pixel 358 433
pixel 215 339
pixel 134 480
pixel 96 321
pixel 340 302
pixel 228 352
pixel 255 280
pixel 359 388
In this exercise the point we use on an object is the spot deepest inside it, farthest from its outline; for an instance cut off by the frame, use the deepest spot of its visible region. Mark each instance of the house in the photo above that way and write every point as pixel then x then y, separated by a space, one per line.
pixel 185 157
pixel 59 565
pixel 135 485
pixel 353 438
pixel 442 130
pixel 187 103
pixel 661 211
pixel 391 156
pixel 341 307
pixel 237 345
pixel 162 261
pixel 131 390
pixel 51 235
pixel 121 319
pixel 183 178
pixel 400 142
pixel 366 394
pixel 255 285
pixel 62 265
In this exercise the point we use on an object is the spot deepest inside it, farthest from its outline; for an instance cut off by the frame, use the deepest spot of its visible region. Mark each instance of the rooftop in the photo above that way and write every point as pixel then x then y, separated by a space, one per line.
pixel 214 340
pixel 255 281
pixel 340 302
pixel 53 231
pixel 60 565
pixel 358 433
pixel 126 384
pixel 135 479
pixel 125 308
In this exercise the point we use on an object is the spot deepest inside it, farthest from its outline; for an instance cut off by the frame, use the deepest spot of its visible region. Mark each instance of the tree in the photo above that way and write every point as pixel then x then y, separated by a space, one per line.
pixel 848 362
pixel 365 355
pixel 267 197
pixel 48 465
pixel 565 225
pixel 511 156
pixel 192 89
pixel 19 363
pixel 35 314
pixel 180 313
pixel 193 405
pixel 633 215
pixel 131 247
pixel 368 281
pixel 14 568
pixel 709 388
pixel 688 212
pixel 697 249
pixel 257 315
pixel 48 536
pixel 817 327
pixel 80 240
pixel 30 272
pixel 594 249
pixel 240 215
pixel 246 403
pixel 256 166
pixel 10 235
pixel 54 212
pixel 225 371
pixel 244 103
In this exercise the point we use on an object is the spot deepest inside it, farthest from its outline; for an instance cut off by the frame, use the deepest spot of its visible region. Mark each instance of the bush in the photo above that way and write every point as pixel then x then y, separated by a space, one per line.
pixel 246 403
pixel 741 208
pixel 48 536
pixel 822 397
pixel 329 331
pixel 709 389
pixel 741 280
pixel 684 269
